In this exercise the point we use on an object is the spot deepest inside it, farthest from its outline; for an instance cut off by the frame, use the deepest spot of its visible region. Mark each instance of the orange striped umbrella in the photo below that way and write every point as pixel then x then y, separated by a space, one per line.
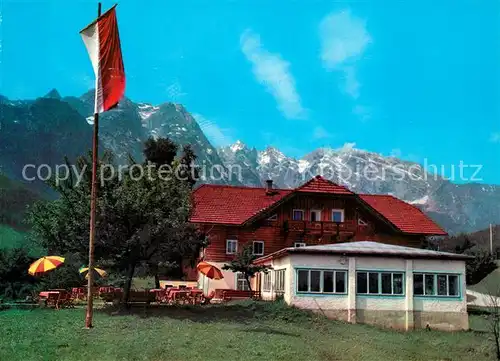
pixel 210 271
pixel 45 264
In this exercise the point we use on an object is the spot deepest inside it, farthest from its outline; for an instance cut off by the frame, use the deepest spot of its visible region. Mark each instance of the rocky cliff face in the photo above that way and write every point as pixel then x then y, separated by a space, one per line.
pixel 45 130
pixel 458 208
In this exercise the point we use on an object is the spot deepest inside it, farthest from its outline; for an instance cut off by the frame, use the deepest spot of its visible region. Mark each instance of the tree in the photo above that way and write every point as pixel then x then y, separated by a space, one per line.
pixel 493 315
pixel 188 170
pixel 160 151
pixel 480 266
pixel 142 217
pixel 244 263
pixel 482 263
pixel 15 282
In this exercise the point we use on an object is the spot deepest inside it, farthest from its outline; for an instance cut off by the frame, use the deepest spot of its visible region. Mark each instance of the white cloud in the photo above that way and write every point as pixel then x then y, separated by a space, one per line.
pixel 344 39
pixel 321 133
pixel 351 82
pixel 216 135
pixel 495 137
pixel 274 73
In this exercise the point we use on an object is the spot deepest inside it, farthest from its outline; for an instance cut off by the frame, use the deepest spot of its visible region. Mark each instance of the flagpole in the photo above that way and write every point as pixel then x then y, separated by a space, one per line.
pixel 93 200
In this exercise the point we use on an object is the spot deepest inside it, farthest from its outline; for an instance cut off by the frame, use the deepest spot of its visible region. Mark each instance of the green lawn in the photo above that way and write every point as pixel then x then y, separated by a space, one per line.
pixel 244 331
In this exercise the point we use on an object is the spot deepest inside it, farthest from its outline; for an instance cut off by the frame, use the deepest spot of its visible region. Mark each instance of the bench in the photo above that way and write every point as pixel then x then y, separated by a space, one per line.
pixel 228 295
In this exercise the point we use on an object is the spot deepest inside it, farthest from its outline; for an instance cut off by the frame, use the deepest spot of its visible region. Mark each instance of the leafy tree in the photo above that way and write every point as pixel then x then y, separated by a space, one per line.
pixel 244 263
pixel 142 217
pixel 480 266
pixel 160 151
pixel 188 170
pixel 482 263
pixel 15 282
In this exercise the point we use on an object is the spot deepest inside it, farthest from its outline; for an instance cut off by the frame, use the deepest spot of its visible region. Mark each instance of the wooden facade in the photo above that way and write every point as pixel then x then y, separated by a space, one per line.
pixel 277 228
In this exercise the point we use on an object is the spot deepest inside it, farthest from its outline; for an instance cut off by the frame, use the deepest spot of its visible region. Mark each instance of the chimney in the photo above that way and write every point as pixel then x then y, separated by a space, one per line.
pixel 269 186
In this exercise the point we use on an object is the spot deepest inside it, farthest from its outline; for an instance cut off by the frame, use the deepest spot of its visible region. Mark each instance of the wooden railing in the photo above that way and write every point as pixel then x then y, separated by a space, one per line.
pixel 321 227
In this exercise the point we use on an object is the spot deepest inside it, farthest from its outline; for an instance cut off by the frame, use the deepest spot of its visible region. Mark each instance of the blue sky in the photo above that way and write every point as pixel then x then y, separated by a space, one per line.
pixel 415 79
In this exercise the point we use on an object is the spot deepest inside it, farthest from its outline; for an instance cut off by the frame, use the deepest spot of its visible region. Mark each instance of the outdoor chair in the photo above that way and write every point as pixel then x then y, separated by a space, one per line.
pixel 65 300
pixel 52 300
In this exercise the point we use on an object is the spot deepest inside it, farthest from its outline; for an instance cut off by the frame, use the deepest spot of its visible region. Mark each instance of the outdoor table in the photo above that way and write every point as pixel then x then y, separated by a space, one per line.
pixel 159 294
pixel 197 295
pixel 45 294
pixel 175 294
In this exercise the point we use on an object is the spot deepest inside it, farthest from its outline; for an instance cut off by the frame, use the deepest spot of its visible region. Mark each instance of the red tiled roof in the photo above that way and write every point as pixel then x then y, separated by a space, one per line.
pixel 231 205
pixel 407 218
pixel 321 185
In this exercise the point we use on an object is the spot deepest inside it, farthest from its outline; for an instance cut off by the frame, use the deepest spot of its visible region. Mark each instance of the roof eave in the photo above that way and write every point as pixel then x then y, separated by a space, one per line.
pixel 450 256
pixel 304 250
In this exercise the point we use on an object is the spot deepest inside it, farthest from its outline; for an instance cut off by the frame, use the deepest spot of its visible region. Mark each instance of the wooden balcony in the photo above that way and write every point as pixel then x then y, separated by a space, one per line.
pixel 348 226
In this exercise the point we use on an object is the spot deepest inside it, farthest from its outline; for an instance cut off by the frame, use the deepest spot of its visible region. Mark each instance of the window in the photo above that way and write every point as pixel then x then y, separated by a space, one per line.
pixel 274 217
pixel 373 285
pixel 299 244
pixel 315 215
pixel 379 283
pixel 362 282
pixel 418 284
pixel 266 283
pixel 337 215
pixel 340 282
pixel 231 246
pixel 258 248
pixel 328 285
pixel 241 282
pixel 279 279
pixel 298 215
pixel 321 281
pixel 303 281
pixel 315 281
pixel 428 284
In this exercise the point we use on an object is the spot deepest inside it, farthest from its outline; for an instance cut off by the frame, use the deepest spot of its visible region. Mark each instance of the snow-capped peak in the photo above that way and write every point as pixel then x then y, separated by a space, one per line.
pixel 272 152
pixel 303 165
pixel 147 110
pixel 237 146
pixel 420 201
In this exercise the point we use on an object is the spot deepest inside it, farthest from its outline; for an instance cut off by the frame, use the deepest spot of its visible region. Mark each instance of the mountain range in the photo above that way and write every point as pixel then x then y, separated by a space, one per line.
pixel 45 130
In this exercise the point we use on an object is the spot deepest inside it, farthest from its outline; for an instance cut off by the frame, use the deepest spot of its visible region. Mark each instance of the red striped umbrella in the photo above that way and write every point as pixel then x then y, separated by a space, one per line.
pixel 45 264
pixel 210 271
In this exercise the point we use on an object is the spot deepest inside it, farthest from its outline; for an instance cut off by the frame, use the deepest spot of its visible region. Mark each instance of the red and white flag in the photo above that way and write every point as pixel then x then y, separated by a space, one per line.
pixel 103 45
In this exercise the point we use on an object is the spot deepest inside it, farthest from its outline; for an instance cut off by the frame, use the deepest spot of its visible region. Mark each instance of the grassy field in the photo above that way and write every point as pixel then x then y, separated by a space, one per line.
pixel 244 331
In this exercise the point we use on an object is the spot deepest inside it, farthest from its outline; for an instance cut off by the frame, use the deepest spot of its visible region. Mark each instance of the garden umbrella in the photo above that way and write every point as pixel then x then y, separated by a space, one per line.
pixel 45 264
pixel 209 271
pixel 99 271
